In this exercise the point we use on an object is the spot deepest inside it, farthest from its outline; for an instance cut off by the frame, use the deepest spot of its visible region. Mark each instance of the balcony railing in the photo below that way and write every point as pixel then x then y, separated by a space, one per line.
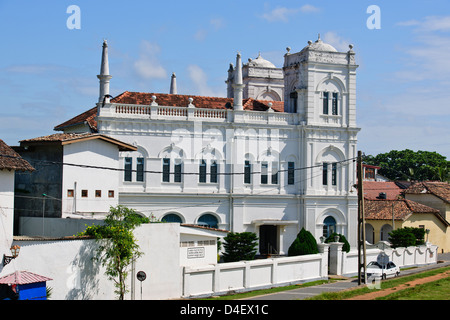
pixel 156 112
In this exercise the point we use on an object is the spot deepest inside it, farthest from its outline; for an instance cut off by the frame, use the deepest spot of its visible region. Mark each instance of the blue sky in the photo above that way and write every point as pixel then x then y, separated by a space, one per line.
pixel 48 71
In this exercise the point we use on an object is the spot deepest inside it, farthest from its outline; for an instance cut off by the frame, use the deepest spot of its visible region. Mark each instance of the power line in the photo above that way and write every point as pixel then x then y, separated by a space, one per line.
pixel 160 172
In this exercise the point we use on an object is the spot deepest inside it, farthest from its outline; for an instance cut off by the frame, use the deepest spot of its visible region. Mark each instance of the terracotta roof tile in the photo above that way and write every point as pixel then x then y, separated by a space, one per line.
pixel 439 189
pixel 87 116
pixel 372 189
pixel 11 160
pixel 403 208
pixel 172 100
pixel 66 138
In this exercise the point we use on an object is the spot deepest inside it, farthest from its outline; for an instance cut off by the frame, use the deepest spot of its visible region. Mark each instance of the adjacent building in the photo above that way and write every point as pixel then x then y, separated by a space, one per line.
pixel 76 176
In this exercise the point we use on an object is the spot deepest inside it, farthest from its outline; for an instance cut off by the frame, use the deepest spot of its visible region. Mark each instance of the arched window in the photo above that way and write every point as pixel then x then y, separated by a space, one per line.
pixel 384 232
pixel 172 217
pixel 208 220
pixel 329 226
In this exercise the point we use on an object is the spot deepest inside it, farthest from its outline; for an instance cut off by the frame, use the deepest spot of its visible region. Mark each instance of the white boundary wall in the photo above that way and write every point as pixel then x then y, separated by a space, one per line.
pixel 242 276
pixel 402 257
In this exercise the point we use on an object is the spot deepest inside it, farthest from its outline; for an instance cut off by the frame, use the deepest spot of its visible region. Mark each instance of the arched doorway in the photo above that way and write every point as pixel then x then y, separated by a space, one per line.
pixel 329 226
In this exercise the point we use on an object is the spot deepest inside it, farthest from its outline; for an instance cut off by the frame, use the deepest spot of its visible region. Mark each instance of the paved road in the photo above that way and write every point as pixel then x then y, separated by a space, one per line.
pixel 303 293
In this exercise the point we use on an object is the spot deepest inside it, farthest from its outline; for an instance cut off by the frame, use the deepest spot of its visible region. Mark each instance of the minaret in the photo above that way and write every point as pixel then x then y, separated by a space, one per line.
pixel 104 76
pixel 238 85
pixel 173 84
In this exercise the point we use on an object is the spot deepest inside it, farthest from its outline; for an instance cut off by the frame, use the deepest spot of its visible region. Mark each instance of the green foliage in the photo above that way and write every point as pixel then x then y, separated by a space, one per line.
pixel 406 237
pixel 303 244
pixel 410 165
pixel 240 246
pixel 345 247
pixel 117 244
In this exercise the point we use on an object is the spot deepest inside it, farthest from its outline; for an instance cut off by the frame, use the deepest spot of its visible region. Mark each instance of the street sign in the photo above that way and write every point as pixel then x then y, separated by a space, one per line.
pixel 141 276
pixel 383 259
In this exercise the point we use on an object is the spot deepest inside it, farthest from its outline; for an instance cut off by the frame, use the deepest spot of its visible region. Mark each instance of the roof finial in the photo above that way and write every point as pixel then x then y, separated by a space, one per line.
pixel 173 84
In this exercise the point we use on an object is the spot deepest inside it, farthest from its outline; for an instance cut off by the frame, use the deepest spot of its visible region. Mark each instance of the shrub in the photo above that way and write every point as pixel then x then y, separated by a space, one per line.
pixel 403 237
pixel 303 244
pixel 240 246
pixel 345 247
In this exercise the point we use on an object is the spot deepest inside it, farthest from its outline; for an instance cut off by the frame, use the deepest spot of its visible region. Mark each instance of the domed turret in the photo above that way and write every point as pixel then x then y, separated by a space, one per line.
pixel 319 45
pixel 260 62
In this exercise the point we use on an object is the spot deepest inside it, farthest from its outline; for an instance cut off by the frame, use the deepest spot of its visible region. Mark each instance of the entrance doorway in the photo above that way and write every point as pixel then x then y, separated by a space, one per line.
pixel 268 239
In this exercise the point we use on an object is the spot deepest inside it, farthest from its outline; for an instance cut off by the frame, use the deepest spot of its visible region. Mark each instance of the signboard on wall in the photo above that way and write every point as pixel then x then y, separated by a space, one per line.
pixel 196 252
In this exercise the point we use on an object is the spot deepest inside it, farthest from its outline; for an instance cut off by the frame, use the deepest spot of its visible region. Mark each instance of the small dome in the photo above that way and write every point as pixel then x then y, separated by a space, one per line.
pixel 260 62
pixel 319 45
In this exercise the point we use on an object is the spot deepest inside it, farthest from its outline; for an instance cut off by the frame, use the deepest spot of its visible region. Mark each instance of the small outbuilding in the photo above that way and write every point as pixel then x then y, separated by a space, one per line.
pixel 23 285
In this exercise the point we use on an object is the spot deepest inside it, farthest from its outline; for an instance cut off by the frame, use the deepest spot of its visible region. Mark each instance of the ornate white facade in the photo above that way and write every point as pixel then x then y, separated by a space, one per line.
pixel 221 163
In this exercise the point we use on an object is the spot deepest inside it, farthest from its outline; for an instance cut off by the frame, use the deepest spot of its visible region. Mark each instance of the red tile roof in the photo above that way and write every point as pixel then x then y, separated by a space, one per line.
pixel 436 188
pixel 173 100
pixel 11 160
pixel 22 277
pixel 68 138
pixel 372 189
pixel 382 209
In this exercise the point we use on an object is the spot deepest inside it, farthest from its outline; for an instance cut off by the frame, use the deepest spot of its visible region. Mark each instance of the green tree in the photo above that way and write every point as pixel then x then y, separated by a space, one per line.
pixel 303 244
pixel 117 244
pixel 410 165
pixel 240 246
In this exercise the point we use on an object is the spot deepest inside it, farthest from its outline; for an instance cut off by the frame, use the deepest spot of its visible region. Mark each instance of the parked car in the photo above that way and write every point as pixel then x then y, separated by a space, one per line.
pixel 374 269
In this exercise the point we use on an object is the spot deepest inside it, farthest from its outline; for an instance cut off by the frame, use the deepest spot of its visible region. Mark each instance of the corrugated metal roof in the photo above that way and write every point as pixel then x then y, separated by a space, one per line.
pixel 22 277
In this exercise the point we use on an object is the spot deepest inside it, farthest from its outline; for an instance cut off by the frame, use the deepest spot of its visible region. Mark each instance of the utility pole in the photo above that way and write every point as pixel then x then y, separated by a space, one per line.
pixel 361 225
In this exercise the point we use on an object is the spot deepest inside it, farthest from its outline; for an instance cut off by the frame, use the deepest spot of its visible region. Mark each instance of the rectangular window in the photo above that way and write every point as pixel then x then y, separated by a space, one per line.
pixel 274 172
pixel 98 193
pixel 177 176
pixel 325 174
pixel 202 171
pixel 291 172
pixel 166 170
pixel 334 174
pixel 84 193
pixel 334 107
pixel 213 173
pixel 294 97
pixel 128 168
pixel 325 102
pixel 247 172
pixel 111 194
pixel 70 193
pixel 264 167
pixel 140 169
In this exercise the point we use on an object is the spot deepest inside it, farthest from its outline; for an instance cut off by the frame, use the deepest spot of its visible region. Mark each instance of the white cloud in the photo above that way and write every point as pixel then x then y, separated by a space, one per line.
pixel 148 65
pixel 200 82
pixel 336 41
pixel 214 25
pixel 283 14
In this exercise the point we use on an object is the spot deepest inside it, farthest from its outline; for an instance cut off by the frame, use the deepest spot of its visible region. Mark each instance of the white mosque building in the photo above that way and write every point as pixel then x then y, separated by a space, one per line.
pixel 277 155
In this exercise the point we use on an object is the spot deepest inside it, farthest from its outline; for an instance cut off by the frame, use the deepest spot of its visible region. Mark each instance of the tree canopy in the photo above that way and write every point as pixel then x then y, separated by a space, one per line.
pixel 410 165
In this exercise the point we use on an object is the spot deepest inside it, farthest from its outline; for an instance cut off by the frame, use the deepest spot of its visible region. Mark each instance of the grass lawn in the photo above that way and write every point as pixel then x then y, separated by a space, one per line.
pixel 440 290
pixel 436 290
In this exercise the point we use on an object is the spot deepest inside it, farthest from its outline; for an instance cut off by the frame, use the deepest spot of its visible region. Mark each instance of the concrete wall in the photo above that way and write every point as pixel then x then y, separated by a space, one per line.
pixel 242 276
pixel 402 257
pixel 77 277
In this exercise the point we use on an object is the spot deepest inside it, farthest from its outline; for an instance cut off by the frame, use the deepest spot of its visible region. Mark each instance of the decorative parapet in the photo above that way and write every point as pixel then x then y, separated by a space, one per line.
pixel 157 112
